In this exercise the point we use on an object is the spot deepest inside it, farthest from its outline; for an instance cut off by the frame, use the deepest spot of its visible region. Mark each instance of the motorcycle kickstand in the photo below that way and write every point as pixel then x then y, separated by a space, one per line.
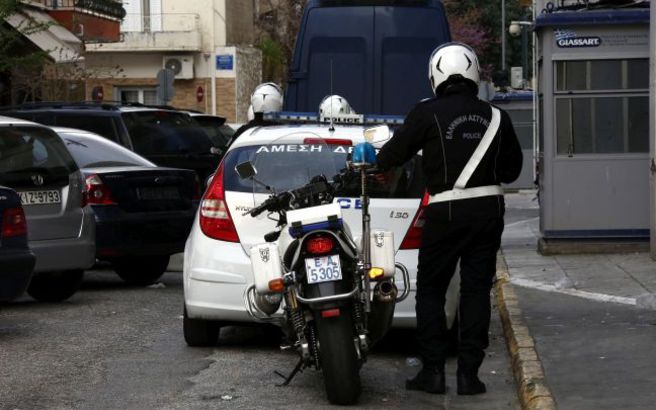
pixel 299 368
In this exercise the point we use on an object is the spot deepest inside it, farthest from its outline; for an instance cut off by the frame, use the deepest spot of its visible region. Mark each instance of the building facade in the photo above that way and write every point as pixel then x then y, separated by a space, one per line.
pixel 58 28
pixel 207 43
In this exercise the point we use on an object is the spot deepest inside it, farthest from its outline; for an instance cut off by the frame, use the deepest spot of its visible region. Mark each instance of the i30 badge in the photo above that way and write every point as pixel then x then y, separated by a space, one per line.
pixel 37 179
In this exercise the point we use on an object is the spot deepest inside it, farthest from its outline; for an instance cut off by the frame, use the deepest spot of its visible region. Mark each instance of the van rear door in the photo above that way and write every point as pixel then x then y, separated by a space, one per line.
pixel 333 56
pixel 405 37
pixel 374 55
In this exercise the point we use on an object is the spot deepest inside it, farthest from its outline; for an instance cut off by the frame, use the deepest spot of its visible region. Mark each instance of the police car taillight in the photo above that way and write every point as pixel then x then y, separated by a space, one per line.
pixel 412 239
pixel 215 220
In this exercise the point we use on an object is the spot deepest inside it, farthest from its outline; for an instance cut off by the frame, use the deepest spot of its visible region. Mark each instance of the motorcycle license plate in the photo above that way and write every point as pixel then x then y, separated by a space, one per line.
pixel 323 269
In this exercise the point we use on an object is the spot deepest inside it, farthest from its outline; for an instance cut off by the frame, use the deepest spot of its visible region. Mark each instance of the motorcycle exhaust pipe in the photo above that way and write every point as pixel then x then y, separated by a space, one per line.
pixel 382 310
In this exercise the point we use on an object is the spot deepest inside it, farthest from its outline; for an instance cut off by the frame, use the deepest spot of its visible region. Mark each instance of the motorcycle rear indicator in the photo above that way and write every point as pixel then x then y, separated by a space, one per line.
pixel 277 285
pixel 320 245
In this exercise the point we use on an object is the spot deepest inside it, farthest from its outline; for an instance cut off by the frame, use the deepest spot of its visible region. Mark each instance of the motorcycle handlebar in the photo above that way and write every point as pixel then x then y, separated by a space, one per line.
pixel 319 185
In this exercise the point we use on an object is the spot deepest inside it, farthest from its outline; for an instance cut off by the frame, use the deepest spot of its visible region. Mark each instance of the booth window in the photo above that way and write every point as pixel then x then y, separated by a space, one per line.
pixel 602 106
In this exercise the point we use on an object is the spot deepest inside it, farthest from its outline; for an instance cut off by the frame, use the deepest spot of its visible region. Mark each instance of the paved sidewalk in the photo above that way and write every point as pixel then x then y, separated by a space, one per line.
pixel 628 279
pixel 593 317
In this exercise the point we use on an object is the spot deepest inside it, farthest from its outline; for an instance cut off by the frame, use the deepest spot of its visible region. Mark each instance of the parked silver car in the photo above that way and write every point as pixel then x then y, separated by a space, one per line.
pixel 61 228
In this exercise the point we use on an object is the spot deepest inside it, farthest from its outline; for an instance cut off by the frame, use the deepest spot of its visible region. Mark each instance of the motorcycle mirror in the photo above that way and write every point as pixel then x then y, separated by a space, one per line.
pixel 246 170
pixel 377 135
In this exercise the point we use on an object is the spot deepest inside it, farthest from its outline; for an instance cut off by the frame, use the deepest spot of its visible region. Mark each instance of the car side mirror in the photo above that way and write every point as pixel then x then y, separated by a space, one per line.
pixel 246 170
pixel 377 135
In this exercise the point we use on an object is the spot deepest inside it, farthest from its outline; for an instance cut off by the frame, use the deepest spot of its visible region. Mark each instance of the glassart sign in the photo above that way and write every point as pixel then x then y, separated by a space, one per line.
pixel 606 39
pixel 569 39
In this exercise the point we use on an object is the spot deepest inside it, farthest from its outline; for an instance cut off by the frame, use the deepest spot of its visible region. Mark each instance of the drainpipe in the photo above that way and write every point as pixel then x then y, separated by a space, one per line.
pixel 652 127
pixel 503 35
pixel 213 57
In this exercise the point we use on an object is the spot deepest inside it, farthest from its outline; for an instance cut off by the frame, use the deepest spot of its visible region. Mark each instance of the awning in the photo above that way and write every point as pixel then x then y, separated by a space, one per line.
pixel 57 41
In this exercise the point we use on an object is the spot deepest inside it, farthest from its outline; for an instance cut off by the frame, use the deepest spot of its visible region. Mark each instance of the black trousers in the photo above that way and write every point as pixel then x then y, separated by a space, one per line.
pixel 474 242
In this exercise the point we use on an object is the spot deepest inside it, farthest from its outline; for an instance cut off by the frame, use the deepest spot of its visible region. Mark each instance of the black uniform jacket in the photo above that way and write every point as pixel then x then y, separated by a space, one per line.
pixel 447 129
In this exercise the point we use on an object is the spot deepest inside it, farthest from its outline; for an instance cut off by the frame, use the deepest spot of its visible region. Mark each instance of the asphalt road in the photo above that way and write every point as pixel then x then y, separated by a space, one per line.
pixel 112 346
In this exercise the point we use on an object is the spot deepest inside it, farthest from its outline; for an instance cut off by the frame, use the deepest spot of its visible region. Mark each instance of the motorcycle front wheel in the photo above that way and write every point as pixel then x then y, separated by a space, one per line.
pixel 339 359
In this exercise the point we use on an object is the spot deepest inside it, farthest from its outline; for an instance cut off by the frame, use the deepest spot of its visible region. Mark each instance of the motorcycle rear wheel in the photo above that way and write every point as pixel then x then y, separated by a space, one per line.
pixel 339 359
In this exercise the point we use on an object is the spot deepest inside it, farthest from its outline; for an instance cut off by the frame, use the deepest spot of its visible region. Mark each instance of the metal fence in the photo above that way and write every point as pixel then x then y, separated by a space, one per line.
pixel 111 8
pixel 561 5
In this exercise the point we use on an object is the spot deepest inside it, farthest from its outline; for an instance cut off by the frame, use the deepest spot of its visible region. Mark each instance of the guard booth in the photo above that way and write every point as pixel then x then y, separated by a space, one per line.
pixel 519 106
pixel 593 124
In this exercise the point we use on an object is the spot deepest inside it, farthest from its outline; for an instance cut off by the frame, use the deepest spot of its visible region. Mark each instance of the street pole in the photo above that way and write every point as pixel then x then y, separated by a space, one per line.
pixel 652 126
pixel 525 54
pixel 503 35
pixel 213 57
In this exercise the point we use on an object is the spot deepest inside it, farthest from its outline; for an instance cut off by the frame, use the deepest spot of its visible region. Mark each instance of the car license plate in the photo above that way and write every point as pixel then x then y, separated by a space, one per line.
pixel 40 197
pixel 323 269
pixel 158 193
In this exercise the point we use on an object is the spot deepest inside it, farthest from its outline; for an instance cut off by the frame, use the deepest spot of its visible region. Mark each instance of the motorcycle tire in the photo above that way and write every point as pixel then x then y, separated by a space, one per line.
pixel 339 359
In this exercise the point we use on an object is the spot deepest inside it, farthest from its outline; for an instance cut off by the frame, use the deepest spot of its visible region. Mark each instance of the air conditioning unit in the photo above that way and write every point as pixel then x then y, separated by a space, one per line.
pixel 182 66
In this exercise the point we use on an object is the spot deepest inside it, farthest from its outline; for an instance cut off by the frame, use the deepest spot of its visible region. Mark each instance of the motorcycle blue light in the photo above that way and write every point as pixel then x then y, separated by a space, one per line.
pixel 364 153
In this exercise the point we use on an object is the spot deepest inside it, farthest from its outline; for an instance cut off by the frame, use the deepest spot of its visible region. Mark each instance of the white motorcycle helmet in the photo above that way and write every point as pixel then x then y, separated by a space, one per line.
pixel 267 97
pixel 334 105
pixel 453 60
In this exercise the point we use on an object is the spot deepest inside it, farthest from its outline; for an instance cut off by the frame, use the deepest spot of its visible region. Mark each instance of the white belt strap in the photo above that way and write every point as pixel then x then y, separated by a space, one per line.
pixel 459 191
pixel 467 193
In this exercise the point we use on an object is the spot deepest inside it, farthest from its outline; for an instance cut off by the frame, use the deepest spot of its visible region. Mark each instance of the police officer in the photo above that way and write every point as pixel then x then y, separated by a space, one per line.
pixel 267 97
pixel 469 148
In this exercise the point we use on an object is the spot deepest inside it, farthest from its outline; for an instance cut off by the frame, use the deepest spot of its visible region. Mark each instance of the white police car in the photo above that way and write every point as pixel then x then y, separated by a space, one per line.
pixel 217 268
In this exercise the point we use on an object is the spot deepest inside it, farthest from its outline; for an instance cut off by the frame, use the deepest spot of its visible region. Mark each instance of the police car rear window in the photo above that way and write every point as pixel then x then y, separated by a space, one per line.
pixel 289 166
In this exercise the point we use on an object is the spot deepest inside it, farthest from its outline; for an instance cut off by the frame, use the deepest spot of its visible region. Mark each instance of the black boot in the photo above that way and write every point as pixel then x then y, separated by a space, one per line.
pixel 469 384
pixel 428 379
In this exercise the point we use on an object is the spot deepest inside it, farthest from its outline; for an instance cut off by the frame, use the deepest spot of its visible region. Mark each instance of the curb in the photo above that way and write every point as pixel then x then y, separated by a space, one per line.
pixel 532 389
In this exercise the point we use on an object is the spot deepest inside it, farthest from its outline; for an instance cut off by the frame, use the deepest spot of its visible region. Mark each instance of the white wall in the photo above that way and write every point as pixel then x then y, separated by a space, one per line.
pixel 135 65
pixel 207 18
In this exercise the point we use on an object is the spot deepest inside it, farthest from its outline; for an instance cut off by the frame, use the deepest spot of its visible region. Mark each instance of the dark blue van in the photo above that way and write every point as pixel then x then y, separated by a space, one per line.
pixel 374 53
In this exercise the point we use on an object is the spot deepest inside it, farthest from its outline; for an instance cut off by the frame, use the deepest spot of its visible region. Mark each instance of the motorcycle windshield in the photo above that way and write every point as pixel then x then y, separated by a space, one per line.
pixel 286 163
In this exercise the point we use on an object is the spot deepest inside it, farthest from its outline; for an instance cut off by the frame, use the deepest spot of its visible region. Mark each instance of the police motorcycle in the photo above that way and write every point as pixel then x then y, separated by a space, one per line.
pixel 336 292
